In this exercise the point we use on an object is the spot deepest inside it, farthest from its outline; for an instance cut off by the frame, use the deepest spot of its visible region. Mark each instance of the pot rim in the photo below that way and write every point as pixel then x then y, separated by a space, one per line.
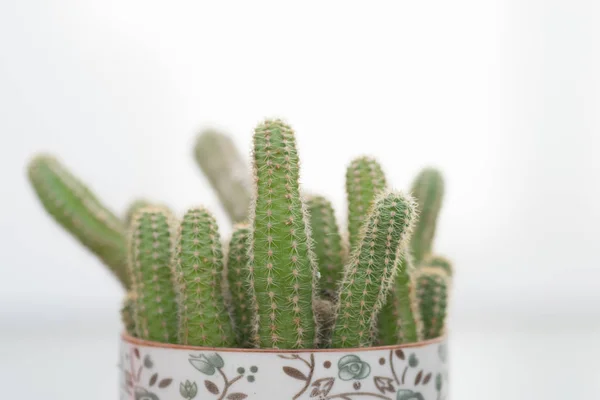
pixel 147 343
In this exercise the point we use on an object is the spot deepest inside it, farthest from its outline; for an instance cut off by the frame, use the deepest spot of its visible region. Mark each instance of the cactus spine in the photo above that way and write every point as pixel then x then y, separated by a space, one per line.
pixel 328 247
pixel 198 265
pixel 364 180
pixel 151 242
pixel 428 190
pixel 281 262
pixel 432 288
pixel 221 162
pixel 74 207
pixel 238 278
pixel 372 268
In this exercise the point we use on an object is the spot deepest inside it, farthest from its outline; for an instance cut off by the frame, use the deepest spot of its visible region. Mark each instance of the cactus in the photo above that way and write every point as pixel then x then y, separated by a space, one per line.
pixel 328 247
pixel 373 266
pixel 432 288
pixel 428 190
pixel 238 278
pixel 399 319
pixel 150 252
pixel 76 208
pixel 435 261
pixel 198 270
pixel 221 162
pixel 127 313
pixel 325 314
pixel 133 208
pixel 281 262
pixel 364 180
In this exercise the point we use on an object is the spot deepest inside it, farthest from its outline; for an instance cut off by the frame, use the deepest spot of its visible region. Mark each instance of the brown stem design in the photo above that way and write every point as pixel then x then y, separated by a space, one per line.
pixel 393 369
pixel 404 374
pixel 348 396
pixel 228 383
pixel 310 365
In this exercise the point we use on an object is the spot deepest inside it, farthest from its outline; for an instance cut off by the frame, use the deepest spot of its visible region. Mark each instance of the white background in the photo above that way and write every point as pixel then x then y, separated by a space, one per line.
pixel 501 95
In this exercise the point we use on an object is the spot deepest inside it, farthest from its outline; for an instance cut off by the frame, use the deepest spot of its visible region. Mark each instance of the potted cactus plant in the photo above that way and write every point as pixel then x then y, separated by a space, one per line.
pixel 287 308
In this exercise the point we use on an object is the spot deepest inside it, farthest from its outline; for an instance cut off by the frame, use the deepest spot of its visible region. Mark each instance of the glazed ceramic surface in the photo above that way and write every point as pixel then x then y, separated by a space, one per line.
pixel 152 371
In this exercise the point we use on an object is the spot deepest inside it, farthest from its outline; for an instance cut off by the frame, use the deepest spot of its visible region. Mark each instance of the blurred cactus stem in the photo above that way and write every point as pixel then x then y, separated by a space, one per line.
pixel 238 278
pixel 133 208
pixel 327 241
pixel 434 261
pixel 127 313
pixel 203 317
pixel 223 165
pixel 428 190
pixel 372 268
pixel 77 209
pixel 364 180
pixel 150 252
pixel 399 320
pixel 432 289
pixel 282 266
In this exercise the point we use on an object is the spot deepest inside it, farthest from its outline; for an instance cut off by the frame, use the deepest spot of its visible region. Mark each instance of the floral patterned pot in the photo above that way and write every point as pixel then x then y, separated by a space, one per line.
pixel 157 371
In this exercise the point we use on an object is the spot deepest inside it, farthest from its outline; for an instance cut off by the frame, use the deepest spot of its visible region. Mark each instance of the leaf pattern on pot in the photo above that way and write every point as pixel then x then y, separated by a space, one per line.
pixel 143 394
pixel 188 390
pixel 211 387
pixel 384 384
pixel 294 373
pixel 322 387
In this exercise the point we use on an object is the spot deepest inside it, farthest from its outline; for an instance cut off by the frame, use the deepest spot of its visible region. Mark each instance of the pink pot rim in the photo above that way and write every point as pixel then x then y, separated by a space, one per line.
pixel 147 343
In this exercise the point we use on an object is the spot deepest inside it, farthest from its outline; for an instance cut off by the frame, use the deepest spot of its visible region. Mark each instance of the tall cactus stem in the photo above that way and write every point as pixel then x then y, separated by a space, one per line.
pixel 239 279
pixel 77 209
pixel 400 321
pixel 282 266
pixel 327 241
pixel 372 268
pixel 365 179
pixel 150 250
pixel 428 190
pixel 227 172
pixel 198 268
pixel 432 290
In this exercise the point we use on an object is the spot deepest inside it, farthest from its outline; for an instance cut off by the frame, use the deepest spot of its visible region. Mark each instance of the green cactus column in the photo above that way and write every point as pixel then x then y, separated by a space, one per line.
pixel 432 289
pixel 364 180
pixel 399 321
pixel 227 172
pixel 77 209
pixel 372 268
pixel 239 277
pixel 150 248
pixel 282 266
pixel 203 317
pixel 327 241
pixel 133 208
pixel 428 190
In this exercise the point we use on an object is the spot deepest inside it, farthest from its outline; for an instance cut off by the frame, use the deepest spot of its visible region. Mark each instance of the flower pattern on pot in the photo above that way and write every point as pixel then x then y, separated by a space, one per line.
pixel 404 394
pixel 152 372
pixel 143 394
pixel 352 367
pixel 188 390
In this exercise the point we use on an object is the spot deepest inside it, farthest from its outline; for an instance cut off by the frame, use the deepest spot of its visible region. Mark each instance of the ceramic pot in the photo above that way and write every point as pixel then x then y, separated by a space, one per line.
pixel 157 371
